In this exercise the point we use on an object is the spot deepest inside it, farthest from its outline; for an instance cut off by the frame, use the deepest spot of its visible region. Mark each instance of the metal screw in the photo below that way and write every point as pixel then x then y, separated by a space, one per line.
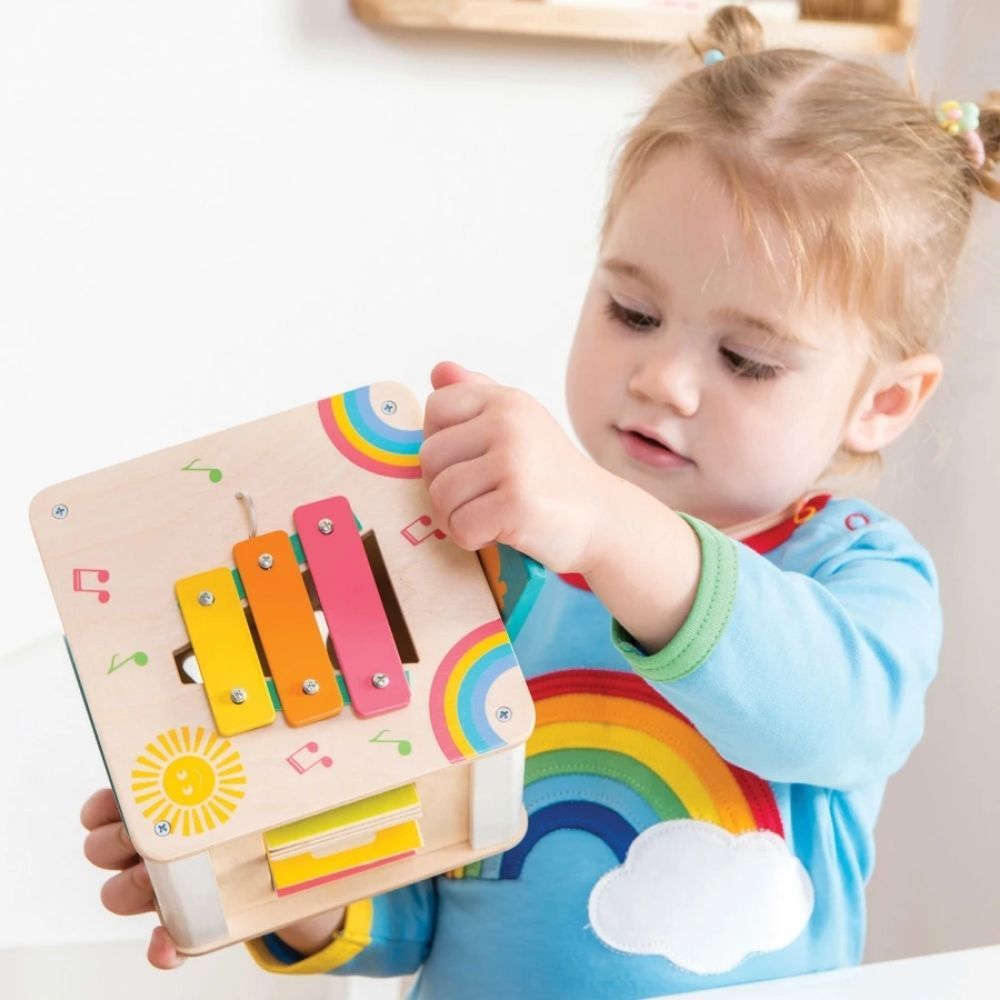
pixel 504 714
pixel 206 598
pixel 380 680
pixel 60 511
pixel 238 696
pixel 162 828
pixel 310 686
pixel 266 560
pixel 325 526
pixel 388 407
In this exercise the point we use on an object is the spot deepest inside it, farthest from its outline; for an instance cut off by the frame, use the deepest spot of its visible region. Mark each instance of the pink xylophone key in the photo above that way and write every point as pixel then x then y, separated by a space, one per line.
pixel 359 629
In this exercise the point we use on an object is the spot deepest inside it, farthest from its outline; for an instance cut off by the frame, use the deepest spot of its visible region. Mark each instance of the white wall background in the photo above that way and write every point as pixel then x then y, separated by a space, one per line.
pixel 213 212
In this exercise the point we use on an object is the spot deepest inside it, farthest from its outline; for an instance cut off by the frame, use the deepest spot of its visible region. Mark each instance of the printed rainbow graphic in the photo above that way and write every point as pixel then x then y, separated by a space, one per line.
pixel 460 688
pixel 365 438
pixel 609 755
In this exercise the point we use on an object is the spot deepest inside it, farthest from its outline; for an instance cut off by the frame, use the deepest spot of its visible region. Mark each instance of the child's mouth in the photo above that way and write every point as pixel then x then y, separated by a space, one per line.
pixel 651 452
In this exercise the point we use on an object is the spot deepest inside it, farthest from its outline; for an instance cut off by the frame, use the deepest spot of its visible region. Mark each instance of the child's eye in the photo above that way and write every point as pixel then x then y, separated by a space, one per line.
pixel 632 318
pixel 745 368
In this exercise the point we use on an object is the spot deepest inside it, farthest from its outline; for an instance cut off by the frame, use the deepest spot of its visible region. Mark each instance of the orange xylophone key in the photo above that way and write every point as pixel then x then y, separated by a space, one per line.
pixel 293 646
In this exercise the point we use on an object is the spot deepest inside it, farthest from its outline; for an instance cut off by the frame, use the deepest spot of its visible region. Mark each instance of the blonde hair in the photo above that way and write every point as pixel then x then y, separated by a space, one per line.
pixel 873 196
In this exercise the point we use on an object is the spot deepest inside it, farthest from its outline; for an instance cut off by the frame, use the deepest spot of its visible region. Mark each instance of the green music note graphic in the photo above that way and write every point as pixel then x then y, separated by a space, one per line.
pixel 214 474
pixel 140 658
pixel 404 746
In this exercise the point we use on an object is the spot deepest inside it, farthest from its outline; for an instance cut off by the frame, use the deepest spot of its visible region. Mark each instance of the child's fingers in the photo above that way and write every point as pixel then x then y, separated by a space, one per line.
pixel 100 809
pixel 452 445
pixel 449 372
pixel 109 847
pixel 129 892
pixel 458 485
pixel 162 952
pixel 454 404
pixel 480 522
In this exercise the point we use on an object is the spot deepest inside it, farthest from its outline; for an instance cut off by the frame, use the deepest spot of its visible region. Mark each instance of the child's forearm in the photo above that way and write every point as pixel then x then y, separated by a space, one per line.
pixel 645 567
pixel 313 934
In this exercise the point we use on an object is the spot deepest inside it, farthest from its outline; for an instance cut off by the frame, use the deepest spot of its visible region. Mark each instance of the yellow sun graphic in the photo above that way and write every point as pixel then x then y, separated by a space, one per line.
pixel 194 784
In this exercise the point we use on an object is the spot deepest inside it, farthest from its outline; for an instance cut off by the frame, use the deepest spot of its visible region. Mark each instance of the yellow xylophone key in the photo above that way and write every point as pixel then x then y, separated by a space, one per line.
pixel 294 648
pixel 217 626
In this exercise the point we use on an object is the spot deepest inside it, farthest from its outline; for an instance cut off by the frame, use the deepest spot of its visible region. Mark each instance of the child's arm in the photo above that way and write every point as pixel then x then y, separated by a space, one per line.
pixel 816 675
pixel 388 935
pixel 645 564
pixel 814 672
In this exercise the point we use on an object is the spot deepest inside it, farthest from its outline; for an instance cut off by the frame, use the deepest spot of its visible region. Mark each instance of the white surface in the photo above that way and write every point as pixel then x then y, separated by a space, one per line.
pixel 965 975
pixel 212 212
pixel 118 971
pixel 50 891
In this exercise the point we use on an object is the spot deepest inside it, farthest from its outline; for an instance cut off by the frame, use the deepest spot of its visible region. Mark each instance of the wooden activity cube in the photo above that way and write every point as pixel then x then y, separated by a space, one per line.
pixel 301 688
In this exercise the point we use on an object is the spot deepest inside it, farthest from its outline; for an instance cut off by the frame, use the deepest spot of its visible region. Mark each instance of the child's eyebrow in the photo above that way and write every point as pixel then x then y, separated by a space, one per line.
pixel 629 270
pixel 774 330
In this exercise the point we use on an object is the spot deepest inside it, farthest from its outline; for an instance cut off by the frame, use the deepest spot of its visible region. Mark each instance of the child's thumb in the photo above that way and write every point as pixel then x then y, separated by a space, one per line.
pixel 448 373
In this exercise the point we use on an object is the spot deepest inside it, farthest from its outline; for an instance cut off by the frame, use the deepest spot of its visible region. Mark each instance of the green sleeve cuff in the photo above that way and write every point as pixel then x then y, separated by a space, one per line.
pixel 713 603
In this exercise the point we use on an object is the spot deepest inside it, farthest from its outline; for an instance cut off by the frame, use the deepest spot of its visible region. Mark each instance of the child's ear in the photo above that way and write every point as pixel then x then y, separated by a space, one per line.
pixel 895 396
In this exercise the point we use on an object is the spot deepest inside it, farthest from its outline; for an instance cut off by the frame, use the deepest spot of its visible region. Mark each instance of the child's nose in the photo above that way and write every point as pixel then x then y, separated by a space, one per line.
pixel 670 381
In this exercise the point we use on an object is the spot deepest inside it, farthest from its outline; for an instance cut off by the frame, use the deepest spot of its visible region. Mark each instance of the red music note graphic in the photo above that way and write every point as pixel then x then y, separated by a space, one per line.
pixel 425 520
pixel 102 577
pixel 311 747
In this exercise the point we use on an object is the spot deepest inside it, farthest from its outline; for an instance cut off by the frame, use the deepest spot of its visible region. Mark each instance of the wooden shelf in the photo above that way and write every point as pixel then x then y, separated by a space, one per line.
pixel 630 24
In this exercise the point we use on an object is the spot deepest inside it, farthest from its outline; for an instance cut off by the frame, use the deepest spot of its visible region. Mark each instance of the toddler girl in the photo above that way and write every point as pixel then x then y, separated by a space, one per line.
pixel 727 662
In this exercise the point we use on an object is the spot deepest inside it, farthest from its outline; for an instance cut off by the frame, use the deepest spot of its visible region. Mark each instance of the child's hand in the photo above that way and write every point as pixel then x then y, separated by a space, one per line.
pixel 107 845
pixel 500 469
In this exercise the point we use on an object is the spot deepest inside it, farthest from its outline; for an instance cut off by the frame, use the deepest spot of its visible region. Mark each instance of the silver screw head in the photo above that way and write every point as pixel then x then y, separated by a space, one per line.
pixel 380 680
pixel 388 407
pixel 206 598
pixel 60 511
pixel 325 526
pixel 266 560
pixel 162 829
pixel 310 686
pixel 504 714
pixel 238 696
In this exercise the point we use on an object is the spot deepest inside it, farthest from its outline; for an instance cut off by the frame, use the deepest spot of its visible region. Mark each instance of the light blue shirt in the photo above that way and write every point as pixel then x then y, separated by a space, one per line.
pixel 792 692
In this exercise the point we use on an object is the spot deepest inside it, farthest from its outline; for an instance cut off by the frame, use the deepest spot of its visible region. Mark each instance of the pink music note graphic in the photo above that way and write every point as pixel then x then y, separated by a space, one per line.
pixel 404 746
pixel 215 475
pixel 102 577
pixel 424 520
pixel 310 747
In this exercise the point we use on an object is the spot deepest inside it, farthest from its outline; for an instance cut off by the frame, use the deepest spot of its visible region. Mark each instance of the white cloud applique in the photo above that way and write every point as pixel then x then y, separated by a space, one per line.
pixel 702 897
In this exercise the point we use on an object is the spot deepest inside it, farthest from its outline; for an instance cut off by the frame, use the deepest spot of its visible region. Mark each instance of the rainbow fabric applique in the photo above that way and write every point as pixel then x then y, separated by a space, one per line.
pixel 367 438
pixel 460 689
pixel 611 756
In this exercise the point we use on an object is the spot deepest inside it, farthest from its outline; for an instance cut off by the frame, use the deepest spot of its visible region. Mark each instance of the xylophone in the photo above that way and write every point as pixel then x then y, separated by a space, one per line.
pixel 301 689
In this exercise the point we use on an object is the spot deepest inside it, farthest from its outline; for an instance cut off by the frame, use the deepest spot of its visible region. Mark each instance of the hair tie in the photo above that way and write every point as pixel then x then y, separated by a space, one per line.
pixel 713 56
pixel 962 119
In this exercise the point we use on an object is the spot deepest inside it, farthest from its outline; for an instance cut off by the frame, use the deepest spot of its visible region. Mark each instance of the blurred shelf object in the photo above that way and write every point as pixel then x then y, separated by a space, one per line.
pixel 855 26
